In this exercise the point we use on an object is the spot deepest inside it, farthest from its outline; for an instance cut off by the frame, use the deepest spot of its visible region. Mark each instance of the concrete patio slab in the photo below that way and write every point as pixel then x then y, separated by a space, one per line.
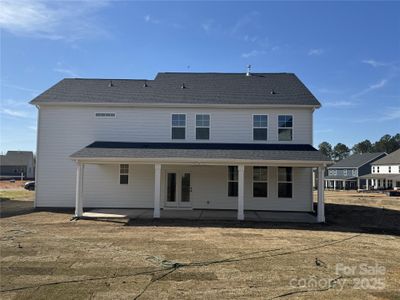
pixel 203 214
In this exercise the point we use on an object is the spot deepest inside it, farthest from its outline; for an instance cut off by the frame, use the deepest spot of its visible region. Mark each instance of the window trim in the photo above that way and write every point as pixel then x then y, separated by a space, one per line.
pixel 389 169
pixel 186 121
pixel 292 128
pixel 252 178
pixel 345 172
pixel 277 181
pixel 209 126
pixel 127 174
pixel 228 181
pixel 252 126
pixel 114 115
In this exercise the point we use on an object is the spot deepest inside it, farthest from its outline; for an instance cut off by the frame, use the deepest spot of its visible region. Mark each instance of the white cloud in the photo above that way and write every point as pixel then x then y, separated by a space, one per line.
pixel 317 51
pixel 374 63
pixel 244 22
pixel 388 114
pixel 150 19
pixel 34 128
pixel 68 72
pixel 14 113
pixel 55 20
pixel 372 87
pixel 339 103
pixel 253 53
pixel 207 25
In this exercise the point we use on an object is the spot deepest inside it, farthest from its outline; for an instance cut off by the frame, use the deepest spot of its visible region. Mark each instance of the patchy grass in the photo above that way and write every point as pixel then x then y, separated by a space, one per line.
pixel 45 256
pixel 19 195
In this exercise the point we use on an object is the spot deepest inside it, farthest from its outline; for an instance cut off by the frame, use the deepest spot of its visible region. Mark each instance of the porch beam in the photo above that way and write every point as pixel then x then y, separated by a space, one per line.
pixel 79 190
pixel 240 215
pixel 157 190
pixel 321 204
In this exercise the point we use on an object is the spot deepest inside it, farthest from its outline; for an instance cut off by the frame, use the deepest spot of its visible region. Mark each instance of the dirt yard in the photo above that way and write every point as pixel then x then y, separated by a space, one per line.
pixel 356 255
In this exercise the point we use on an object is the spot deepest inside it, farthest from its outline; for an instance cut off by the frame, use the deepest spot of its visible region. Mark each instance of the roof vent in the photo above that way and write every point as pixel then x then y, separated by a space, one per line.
pixel 183 86
pixel 110 84
pixel 248 70
pixel 145 84
pixel 273 92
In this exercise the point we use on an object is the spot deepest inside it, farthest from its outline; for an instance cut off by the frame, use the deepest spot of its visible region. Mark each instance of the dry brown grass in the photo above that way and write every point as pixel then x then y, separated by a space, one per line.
pixel 45 256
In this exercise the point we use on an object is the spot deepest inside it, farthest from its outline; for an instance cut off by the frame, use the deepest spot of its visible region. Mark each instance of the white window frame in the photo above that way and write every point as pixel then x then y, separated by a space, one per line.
pixel 252 125
pixel 377 169
pixel 334 172
pixel 229 180
pixel 390 169
pixel 186 121
pixel 260 181
pixel 123 173
pixel 292 182
pixel 354 172
pixel 373 169
pixel 345 172
pixel 292 128
pixel 209 126
pixel 106 115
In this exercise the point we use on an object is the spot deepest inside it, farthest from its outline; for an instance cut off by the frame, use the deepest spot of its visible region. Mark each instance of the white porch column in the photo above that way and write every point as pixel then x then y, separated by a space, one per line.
pixel 367 184
pixel 240 214
pixel 358 183
pixel 344 185
pixel 334 185
pixel 321 204
pixel 157 190
pixel 79 190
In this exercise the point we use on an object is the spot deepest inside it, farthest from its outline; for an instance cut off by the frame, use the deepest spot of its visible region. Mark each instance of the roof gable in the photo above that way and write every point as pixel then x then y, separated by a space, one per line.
pixel 391 159
pixel 357 160
pixel 185 88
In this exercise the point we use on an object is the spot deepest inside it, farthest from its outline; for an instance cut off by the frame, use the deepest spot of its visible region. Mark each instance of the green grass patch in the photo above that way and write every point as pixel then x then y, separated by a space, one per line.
pixel 16 195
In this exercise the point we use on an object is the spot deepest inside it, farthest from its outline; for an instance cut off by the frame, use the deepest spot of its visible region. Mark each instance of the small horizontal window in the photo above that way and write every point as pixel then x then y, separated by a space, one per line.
pixel 105 115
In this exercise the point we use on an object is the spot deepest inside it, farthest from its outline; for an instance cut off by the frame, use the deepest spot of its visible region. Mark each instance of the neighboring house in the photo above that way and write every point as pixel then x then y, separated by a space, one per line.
pixel 16 164
pixel 346 173
pixel 385 172
pixel 181 141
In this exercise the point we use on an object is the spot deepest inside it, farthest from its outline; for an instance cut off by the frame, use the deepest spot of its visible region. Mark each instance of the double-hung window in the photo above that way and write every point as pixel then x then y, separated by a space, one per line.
pixel 202 127
pixel 260 182
pixel 260 127
pixel 390 169
pixel 285 128
pixel 124 174
pixel 285 182
pixel 345 172
pixel 178 126
pixel 232 181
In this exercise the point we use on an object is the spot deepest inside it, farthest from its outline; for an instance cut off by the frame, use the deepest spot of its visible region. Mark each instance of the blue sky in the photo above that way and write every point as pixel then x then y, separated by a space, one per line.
pixel 347 53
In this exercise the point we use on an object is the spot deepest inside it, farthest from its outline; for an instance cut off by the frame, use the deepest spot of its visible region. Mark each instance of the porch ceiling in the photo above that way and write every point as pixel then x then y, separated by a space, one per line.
pixel 201 153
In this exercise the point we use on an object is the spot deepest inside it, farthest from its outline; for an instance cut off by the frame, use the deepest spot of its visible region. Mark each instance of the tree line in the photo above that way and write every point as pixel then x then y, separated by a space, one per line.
pixel 386 143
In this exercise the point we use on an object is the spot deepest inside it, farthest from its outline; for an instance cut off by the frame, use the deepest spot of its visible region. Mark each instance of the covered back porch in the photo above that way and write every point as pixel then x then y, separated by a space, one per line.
pixel 172 173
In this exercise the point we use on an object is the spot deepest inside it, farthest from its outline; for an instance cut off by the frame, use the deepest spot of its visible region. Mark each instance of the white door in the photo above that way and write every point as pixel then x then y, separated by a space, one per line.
pixel 178 189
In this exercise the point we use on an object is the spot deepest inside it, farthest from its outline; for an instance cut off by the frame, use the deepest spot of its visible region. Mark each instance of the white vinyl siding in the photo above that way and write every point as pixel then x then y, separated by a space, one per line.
pixel 63 130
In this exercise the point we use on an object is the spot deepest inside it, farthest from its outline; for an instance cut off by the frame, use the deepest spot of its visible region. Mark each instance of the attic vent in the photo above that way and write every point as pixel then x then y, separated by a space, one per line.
pixel 110 84
pixel 183 86
pixel 273 92
pixel 145 84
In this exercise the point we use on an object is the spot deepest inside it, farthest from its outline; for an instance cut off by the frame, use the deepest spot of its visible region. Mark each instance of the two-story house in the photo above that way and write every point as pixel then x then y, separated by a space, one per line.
pixel 385 172
pixel 347 173
pixel 210 141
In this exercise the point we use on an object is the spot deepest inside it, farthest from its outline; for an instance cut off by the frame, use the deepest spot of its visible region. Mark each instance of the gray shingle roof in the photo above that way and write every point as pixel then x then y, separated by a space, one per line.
pixel 357 160
pixel 199 88
pixel 16 158
pixel 201 151
pixel 391 159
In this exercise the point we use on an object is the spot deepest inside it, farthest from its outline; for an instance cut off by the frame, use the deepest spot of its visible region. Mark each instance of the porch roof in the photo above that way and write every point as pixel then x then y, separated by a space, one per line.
pixel 381 176
pixel 200 152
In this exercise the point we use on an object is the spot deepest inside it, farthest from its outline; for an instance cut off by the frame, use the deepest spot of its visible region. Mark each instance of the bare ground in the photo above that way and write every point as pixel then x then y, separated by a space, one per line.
pixel 44 255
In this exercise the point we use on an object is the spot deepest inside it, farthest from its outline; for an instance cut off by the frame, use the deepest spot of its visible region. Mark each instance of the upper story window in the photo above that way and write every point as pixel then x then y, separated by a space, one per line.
pixel 123 174
pixel 330 172
pixel 285 182
pixel 373 169
pixel 377 169
pixel 232 181
pixel 345 172
pixel 354 172
pixel 334 172
pixel 260 182
pixel 390 169
pixel 105 115
pixel 260 127
pixel 178 126
pixel 202 127
pixel 285 128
